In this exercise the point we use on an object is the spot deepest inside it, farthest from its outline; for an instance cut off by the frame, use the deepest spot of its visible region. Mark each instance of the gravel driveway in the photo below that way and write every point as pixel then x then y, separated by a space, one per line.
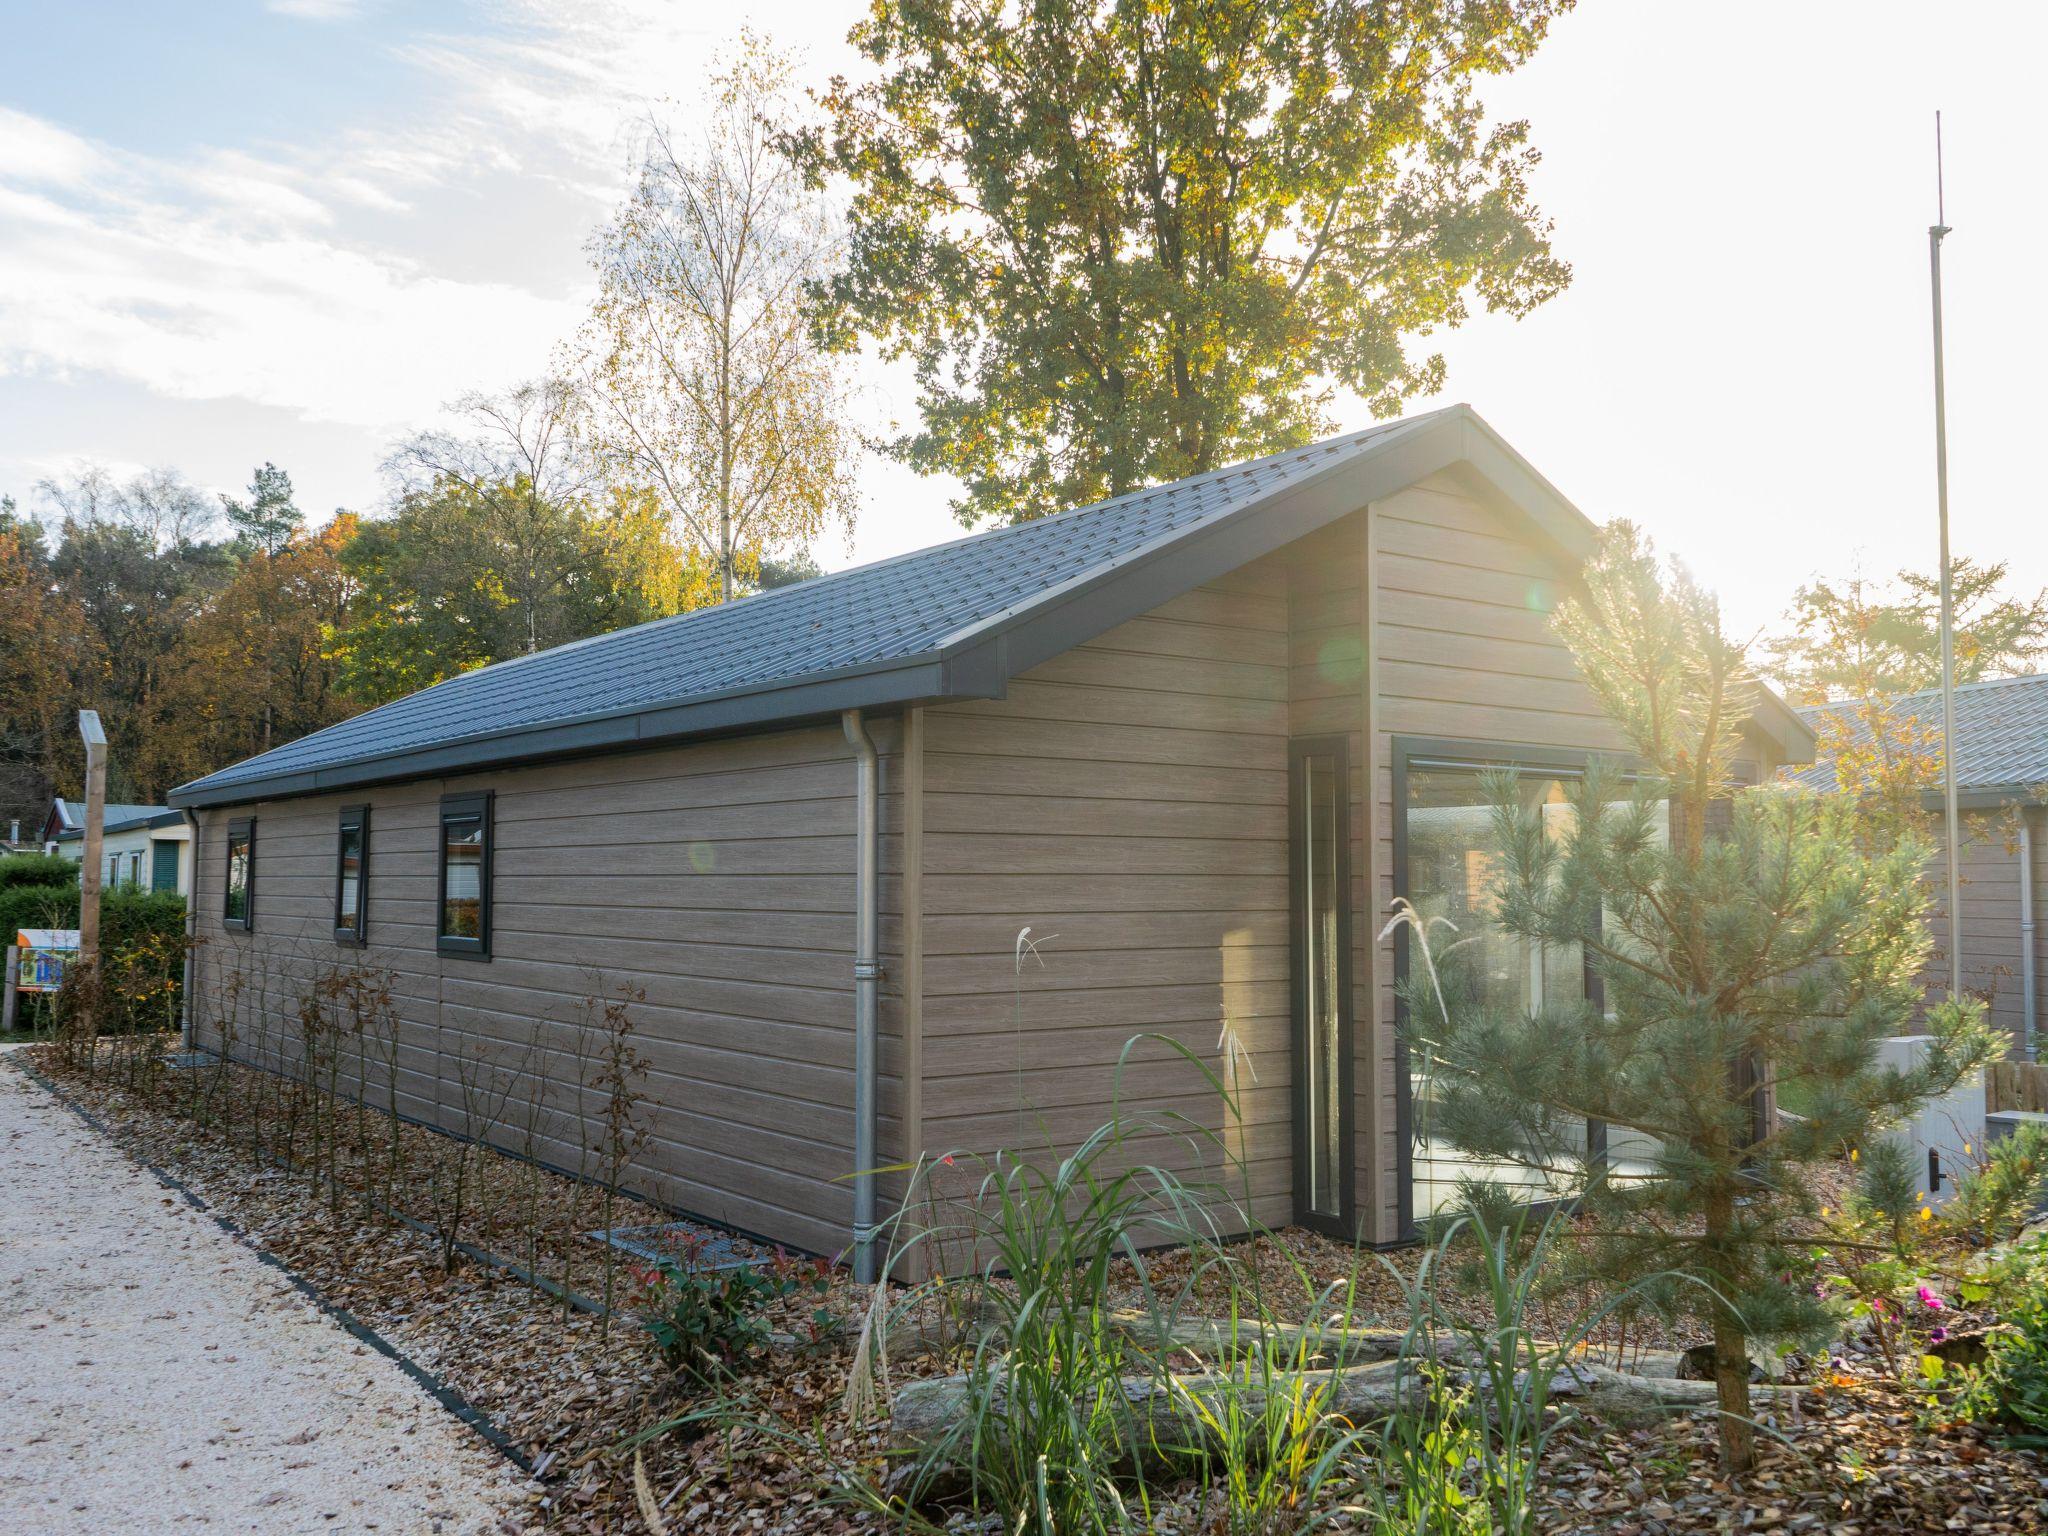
pixel 156 1376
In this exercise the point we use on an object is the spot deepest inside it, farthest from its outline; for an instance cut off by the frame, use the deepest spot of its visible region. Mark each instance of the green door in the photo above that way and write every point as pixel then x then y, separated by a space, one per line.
pixel 163 866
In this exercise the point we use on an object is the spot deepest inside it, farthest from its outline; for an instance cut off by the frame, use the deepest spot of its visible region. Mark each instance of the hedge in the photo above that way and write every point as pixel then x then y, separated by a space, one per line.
pixel 129 918
pixel 20 870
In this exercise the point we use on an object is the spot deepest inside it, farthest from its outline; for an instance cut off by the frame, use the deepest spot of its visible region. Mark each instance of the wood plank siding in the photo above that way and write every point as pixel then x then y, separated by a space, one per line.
pixel 1991 942
pixel 716 879
pixel 1127 804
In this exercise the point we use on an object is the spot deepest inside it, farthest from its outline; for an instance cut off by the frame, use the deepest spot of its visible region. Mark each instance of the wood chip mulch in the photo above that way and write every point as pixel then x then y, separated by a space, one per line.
pixel 1860 1459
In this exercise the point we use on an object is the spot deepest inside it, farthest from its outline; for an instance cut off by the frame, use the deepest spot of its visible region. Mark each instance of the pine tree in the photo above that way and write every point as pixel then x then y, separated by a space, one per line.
pixel 269 518
pixel 1731 932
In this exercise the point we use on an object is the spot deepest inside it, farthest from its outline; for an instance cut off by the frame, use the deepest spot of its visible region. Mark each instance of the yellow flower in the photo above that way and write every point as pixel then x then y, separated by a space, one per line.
pixel 1926 1214
pixel 1852 1154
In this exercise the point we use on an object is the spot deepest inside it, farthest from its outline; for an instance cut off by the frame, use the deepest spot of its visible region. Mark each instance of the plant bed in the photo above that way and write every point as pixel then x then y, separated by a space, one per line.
pixel 768 1450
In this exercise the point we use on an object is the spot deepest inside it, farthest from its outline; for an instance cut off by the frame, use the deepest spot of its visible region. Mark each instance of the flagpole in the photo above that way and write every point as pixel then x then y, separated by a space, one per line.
pixel 1935 232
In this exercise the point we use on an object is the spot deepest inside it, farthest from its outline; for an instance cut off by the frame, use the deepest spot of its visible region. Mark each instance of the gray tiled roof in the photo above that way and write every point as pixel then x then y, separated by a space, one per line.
pixel 114 818
pixel 2001 733
pixel 883 615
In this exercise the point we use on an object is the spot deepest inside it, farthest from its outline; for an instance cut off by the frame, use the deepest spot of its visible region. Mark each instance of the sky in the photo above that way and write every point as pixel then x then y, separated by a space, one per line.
pixel 290 230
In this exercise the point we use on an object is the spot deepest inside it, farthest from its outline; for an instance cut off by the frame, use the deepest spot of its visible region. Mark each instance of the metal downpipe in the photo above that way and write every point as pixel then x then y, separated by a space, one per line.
pixel 867 973
pixel 2029 1029
pixel 185 1030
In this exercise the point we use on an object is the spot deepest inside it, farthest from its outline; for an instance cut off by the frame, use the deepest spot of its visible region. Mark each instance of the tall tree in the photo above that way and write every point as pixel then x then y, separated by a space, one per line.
pixel 1125 242
pixel 1858 640
pixel 462 575
pixel 521 475
pixel 1728 929
pixel 136 558
pixel 270 516
pixel 49 657
pixel 1863 646
pixel 703 379
pixel 252 671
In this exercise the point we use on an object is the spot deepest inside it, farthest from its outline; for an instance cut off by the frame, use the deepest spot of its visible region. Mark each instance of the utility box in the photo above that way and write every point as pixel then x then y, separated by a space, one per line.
pixel 1946 1134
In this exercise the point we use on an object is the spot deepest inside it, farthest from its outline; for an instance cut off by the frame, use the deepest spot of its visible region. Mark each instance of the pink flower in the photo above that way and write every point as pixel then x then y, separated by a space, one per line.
pixel 1929 1300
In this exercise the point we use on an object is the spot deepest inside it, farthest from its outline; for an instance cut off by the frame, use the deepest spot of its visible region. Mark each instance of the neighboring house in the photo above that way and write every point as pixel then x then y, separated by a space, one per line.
pixel 2001 782
pixel 149 846
pixel 1193 740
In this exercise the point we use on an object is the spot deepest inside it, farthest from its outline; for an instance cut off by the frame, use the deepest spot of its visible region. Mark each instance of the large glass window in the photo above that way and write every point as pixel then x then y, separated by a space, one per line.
pixel 1451 865
pixel 466 874
pixel 351 876
pixel 238 901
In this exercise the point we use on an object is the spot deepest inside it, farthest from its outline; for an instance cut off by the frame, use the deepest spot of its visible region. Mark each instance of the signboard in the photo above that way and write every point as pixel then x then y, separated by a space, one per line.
pixel 44 952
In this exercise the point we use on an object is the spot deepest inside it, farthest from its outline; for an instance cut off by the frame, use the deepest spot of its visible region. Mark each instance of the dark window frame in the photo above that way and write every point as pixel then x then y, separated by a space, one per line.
pixel 1426 752
pixel 474 806
pixel 1343 1226
pixel 241 829
pixel 352 928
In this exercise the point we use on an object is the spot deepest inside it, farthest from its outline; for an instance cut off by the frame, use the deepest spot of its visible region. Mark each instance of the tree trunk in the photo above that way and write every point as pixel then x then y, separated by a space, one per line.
pixel 1731 1349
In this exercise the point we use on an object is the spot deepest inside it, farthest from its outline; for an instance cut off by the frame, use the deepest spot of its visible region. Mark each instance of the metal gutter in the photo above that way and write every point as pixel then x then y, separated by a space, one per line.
pixel 867 973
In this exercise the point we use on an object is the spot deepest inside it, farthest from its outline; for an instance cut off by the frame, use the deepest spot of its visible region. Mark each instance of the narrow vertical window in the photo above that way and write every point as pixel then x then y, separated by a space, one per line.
pixel 1320 865
pixel 465 927
pixel 352 876
pixel 238 902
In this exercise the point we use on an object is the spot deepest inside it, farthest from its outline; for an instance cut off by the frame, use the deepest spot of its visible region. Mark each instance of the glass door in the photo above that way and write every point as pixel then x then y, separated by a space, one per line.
pixel 1320 877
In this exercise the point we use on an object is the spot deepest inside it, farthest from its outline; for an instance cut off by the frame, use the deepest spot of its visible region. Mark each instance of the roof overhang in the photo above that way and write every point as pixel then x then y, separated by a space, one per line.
pixel 979 660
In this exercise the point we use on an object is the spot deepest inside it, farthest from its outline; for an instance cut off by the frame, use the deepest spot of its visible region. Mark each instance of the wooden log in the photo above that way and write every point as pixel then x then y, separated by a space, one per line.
pixel 1169 1417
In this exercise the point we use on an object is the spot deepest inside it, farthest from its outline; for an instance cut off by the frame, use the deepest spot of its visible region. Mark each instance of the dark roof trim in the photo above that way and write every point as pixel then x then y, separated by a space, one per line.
pixel 127 824
pixel 972 675
pixel 1988 797
pixel 979 660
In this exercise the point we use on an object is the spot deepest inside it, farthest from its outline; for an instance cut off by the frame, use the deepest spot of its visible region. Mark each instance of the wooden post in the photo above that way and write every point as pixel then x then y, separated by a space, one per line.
pixel 13 998
pixel 89 873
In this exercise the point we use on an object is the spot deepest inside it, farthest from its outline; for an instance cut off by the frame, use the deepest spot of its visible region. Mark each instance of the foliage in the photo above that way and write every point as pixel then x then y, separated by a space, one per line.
pixel 1995 1199
pixel 701 377
pixel 1760 928
pixel 252 671
pixel 1857 640
pixel 705 1321
pixel 2011 1386
pixel 48 655
pixel 466 573
pixel 37 869
pixel 270 518
pixel 1125 243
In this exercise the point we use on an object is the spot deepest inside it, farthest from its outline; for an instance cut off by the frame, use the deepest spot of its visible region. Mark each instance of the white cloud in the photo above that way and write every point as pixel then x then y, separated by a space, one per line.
pixel 315 10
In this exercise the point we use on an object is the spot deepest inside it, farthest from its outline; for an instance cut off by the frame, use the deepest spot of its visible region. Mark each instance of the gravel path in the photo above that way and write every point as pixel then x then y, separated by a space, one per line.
pixel 156 1376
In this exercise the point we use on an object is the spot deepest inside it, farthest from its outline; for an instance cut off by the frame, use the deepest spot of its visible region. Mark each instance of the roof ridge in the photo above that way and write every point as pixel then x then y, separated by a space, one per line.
pixel 1067 515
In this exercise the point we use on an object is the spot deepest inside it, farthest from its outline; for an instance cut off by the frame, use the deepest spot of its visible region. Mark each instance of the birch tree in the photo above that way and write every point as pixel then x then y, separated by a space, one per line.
pixel 703 379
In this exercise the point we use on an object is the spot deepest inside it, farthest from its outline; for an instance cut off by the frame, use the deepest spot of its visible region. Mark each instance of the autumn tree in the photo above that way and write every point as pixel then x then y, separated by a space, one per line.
pixel 1725 928
pixel 1863 647
pixel 463 574
pixel 701 376
pixel 253 670
pixel 138 563
pixel 48 658
pixel 1124 243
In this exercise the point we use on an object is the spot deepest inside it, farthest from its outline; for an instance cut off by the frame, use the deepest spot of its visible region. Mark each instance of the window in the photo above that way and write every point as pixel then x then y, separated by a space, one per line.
pixel 465 927
pixel 1445 864
pixel 238 904
pixel 135 868
pixel 352 876
pixel 1319 869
